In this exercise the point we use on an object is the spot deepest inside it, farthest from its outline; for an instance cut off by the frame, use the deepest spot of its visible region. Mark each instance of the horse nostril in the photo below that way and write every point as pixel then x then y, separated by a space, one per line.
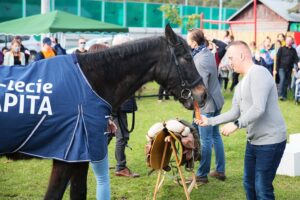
pixel 203 99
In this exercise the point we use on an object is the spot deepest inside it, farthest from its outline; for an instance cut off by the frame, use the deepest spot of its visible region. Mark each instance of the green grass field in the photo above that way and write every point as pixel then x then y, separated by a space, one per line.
pixel 28 179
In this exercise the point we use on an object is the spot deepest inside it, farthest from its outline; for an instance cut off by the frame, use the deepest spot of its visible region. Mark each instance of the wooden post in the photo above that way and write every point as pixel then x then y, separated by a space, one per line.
pixel 180 170
pixel 158 181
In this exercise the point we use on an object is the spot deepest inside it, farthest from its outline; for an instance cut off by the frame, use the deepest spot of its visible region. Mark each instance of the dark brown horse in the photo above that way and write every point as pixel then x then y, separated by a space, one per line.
pixel 116 74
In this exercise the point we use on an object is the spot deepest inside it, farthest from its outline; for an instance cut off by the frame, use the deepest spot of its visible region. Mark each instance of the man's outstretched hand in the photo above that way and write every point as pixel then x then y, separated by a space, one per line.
pixel 228 129
pixel 203 121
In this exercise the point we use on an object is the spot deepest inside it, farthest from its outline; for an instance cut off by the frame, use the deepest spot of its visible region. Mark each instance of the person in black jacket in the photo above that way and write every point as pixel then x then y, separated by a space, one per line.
pixel 23 49
pixel 122 136
pixel 57 47
pixel 223 71
pixel 162 92
pixel 286 58
pixel 221 50
pixel 122 133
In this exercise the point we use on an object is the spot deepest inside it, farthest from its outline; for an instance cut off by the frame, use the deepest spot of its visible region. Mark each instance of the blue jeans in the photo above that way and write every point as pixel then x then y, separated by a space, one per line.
pixel 210 137
pixel 102 177
pixel 285 77
pixel 261 163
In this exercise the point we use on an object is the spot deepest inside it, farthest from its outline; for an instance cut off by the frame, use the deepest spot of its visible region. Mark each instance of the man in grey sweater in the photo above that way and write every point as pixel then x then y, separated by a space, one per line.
pixel 254 107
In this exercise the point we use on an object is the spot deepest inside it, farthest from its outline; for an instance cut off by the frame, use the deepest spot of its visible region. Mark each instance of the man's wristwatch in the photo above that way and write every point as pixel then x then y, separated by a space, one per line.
pixel 236 122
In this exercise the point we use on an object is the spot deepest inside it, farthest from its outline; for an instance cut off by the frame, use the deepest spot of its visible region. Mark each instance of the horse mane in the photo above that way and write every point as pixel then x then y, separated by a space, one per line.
pixel 136 47
pixel 114 62
pixel 109 66
pixel 110 57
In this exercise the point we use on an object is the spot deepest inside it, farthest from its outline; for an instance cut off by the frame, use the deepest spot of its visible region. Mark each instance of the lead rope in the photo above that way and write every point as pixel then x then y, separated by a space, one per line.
pixel 122 125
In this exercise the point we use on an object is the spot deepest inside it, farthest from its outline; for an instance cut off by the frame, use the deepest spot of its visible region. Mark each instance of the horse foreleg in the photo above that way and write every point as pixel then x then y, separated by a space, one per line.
pixel 60 176
pixel 79 181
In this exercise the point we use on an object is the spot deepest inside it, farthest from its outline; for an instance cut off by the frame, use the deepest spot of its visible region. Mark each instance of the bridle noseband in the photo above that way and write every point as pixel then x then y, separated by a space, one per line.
pixel 186 92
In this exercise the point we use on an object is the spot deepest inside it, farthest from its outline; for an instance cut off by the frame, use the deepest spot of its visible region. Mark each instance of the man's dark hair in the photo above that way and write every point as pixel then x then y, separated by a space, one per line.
pixel 18 38
pixel 4 48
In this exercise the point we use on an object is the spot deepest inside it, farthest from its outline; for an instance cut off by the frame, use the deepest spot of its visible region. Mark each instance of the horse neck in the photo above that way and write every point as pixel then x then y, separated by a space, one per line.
pixel 117 73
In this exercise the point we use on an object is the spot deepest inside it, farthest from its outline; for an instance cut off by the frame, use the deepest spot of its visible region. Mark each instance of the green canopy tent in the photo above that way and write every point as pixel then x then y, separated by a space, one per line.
pixel 54 22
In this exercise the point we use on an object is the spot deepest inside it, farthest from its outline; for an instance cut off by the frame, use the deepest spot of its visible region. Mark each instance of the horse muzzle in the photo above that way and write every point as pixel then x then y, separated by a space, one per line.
pixel 200 95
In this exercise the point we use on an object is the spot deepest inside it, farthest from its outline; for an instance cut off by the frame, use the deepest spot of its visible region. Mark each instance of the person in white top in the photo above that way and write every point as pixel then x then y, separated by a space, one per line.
pixel 14 56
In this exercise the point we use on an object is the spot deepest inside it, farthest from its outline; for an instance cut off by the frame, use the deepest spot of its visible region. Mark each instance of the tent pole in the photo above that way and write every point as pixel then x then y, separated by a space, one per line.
pixel 124 13
pixel 23 8
pixel 79 7
pixel 45 6
pixel 220 13
pixel 103 11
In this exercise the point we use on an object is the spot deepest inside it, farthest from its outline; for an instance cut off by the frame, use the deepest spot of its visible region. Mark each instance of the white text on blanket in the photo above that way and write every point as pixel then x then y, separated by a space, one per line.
pixel 30 96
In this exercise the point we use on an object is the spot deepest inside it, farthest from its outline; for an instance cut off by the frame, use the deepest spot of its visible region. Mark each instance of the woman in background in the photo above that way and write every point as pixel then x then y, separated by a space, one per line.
pixel 14 56
pixel 101 168
pixel 209 136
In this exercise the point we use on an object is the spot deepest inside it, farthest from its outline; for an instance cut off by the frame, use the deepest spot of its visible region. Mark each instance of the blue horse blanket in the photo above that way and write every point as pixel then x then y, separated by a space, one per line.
pixel 49 110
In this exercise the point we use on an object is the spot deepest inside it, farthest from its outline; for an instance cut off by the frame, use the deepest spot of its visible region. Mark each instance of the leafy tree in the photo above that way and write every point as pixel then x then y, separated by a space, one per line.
pixel 172 14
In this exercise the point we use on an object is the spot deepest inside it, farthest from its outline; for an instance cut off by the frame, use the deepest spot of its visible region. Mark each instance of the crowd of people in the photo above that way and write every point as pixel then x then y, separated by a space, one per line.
pixel 282 61
pixel 280 58
pixel 18 54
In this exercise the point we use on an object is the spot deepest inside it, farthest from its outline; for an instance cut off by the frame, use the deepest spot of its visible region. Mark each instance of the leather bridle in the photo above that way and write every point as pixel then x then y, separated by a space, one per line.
pixel 186 92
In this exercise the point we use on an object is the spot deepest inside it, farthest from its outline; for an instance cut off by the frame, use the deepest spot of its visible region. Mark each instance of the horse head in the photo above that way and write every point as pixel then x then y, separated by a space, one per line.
pixel 179 75
pixel 118 72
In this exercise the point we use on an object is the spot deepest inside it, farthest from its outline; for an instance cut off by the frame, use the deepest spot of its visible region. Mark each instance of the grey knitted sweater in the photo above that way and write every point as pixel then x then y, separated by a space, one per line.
pixel 255 105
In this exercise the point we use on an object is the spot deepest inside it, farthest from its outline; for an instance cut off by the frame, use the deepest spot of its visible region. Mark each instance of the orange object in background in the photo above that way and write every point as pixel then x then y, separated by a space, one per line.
pixel 197 110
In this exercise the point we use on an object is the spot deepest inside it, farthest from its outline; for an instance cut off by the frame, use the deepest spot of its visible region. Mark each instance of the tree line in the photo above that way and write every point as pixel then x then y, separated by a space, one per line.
pixel 204 3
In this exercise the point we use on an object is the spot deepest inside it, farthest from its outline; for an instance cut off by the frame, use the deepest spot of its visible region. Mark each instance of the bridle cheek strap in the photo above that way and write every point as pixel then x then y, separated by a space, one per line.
pixel 186 92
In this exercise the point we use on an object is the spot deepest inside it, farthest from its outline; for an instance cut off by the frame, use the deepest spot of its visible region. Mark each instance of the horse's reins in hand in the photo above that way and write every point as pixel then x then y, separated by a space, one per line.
pixel 122 125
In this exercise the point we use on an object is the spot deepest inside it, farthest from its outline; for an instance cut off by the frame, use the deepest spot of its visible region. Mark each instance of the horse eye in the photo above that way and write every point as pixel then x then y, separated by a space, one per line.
pixel 188 57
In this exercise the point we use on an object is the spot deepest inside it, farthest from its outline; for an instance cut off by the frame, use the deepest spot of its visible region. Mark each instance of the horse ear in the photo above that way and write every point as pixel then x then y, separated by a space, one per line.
pixel 170 35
